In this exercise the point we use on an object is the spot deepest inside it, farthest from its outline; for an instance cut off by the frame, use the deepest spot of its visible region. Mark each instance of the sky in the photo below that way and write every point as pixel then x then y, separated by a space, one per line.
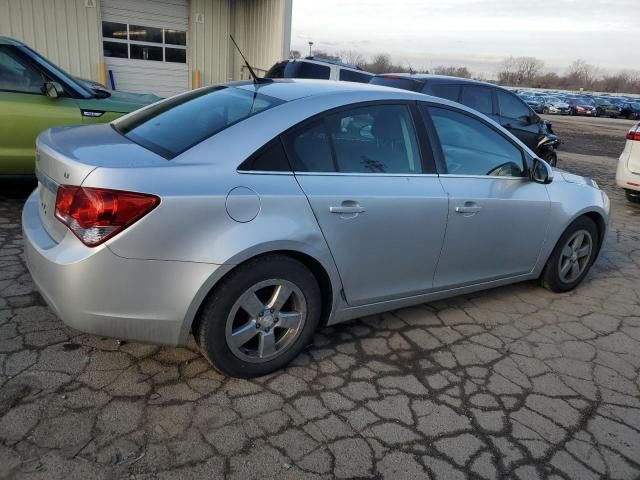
pixel 478 34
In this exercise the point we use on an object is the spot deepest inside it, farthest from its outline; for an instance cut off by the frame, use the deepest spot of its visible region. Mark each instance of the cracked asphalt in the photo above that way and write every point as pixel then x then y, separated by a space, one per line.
pixel 514 382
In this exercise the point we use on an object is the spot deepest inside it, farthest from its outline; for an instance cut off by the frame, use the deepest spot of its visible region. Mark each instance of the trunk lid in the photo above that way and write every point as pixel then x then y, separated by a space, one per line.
pixel 66 156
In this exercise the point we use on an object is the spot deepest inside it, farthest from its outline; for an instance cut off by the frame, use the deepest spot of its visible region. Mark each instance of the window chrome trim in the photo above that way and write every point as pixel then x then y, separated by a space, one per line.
pixel 262 172
pixel 488 177
pixel 362 174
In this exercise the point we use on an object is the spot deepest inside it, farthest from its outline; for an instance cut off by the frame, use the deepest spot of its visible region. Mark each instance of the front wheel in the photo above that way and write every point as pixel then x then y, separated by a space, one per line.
pixel 550 157
pixel 572 257
pixel 260 317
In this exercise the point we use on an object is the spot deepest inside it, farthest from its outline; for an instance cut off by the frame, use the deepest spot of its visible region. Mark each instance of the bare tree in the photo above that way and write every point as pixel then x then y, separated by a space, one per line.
pixel 353 57
pixel 582 74
pixel 380 63
pixel 519 70
pixel 451 71
pixel 294 54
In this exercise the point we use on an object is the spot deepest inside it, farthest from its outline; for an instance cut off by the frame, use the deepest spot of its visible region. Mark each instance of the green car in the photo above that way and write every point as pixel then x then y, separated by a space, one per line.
pixel 35 95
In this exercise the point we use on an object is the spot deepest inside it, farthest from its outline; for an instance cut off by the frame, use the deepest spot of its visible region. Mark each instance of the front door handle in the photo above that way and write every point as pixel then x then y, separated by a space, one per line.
pixel 348 207
pixel 468 208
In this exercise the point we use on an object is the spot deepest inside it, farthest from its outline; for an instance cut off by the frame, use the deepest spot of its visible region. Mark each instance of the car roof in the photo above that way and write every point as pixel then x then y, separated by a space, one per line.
pixel 289 89
pixel 424 77
pixel 10 41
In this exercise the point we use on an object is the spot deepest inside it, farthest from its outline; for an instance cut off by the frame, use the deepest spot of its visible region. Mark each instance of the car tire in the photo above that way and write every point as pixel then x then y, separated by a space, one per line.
pixel 569 264
pixel 550 157
pixel 633 197
pixel 247 345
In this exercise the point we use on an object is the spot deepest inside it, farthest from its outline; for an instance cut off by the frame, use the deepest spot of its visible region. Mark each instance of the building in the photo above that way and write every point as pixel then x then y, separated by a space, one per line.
pixel 156 46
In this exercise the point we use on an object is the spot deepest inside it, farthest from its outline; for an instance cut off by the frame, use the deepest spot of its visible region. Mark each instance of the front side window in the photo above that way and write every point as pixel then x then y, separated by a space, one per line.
pixel 470 147
pixel 478 98
pixel 368 139
pixel 448 91
pixel 172 126
pixel 511 107
pixel 17 75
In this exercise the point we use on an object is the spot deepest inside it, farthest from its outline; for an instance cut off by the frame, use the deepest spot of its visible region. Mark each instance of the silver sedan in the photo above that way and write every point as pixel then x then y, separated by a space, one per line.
pixel 252 214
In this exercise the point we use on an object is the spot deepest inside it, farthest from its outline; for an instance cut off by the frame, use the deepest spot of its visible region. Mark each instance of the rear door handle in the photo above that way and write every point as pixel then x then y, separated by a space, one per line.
pixel 468 207
pixel 348 207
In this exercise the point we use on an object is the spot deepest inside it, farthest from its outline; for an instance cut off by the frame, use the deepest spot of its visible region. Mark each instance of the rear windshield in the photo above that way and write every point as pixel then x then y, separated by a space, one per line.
pixel 398 82
pixel 170 127
pixel 299 69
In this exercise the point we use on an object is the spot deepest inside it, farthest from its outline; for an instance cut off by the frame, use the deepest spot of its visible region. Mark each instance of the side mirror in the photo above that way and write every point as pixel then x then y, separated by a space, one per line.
pixel 541 171
pixel 53 89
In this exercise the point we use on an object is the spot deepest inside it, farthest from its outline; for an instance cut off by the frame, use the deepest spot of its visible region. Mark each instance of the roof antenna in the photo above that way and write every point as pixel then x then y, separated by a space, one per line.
pixel 256 80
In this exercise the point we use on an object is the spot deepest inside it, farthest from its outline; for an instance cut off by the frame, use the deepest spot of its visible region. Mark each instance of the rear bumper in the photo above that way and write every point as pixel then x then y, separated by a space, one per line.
pixel 95 291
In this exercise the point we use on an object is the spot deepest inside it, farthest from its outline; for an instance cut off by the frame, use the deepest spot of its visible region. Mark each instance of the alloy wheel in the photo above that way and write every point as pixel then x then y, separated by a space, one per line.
pixel 575 256
pixel 266 320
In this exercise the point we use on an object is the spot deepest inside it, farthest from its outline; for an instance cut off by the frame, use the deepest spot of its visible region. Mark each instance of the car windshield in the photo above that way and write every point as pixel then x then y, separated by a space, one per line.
pixel 80 89
pixel 172 126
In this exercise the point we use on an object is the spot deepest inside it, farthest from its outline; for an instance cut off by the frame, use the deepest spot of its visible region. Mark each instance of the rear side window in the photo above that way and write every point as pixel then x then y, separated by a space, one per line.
pixel 478 98
pixel 175 125
pixel 270 158
pixel 511 107
pixel 450 92
pixel 368 139
pixel 307 70
pixel 471 147
pixel 352 76
pixel 398 82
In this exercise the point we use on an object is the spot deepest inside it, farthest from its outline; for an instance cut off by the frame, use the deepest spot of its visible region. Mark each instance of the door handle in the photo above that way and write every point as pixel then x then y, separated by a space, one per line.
pixel 468 207
pixel 348 207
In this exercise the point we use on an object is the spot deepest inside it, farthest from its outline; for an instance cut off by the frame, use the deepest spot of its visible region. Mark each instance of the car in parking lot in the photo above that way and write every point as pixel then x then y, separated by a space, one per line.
pixel 35 95
pixel 251 214
pixel 319 68
pixel 630 110
pixel 582 107
pixel 555 105
pixel 499 104
pixel 628 172
pixel 606 108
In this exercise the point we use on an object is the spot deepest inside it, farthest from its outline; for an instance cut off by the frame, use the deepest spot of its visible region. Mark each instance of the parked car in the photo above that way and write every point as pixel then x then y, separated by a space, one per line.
pixel 35 95
pixel 536 103
pixel 498 103
pixel 555 105
pixel 628 173
pixel 582 107
pixel 318 68
pixel 253 214
pixel 605 108
pixel 630 110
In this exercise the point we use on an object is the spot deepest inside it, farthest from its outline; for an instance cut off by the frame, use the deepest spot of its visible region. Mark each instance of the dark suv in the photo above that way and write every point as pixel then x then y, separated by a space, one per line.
pixel 497 103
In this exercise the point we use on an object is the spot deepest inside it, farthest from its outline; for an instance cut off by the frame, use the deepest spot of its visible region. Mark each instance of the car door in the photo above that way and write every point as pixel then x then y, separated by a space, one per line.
pixel 375 194
pixel 497 216
pixel 516 117
pixel 25 111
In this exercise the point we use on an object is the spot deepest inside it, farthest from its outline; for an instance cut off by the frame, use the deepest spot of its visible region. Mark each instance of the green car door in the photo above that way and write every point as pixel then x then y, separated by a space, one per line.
pixel 25 111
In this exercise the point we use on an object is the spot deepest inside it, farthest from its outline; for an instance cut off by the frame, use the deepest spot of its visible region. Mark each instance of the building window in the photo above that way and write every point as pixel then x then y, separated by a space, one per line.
pixel 138 42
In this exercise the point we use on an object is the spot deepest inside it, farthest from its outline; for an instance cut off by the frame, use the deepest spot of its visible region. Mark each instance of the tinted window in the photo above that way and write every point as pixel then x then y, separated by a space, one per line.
pixel 370 139
pixel 176 124
pixel 277 71
pixel 511 107
pixel 175 37
pixel 18 75
pixel 450 92
pixel 114 30
pixel 145 34
pixel 178 55
pixel 398 82
pixel 306 70
pixel 352 76
pixel 309 148
pixel 115 49
pixel 270 158
pixel 470 147
pixel 478 98
pixel 145 52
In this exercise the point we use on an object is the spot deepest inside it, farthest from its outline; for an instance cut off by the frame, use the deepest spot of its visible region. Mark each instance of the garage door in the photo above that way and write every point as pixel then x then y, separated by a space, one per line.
pixel 145 45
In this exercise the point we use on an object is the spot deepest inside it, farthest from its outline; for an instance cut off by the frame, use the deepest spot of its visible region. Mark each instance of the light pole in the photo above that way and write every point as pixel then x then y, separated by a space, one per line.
pixel 310 45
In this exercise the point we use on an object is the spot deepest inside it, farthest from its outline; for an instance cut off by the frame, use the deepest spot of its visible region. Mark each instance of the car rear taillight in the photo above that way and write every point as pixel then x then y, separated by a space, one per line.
pixel 634 133
pixel 96 214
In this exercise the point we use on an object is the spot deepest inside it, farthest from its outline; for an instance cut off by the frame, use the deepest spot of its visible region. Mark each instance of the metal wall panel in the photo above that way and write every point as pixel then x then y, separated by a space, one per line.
pixel 65 31
pixel 209 28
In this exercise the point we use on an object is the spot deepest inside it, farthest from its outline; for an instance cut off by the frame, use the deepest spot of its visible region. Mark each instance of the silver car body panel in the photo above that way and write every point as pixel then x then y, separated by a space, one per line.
pixel 148 282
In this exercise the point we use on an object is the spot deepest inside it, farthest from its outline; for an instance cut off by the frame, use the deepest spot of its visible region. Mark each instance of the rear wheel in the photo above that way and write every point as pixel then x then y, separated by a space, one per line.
pixel 572 257
pixel 260 317
pixel 633 197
